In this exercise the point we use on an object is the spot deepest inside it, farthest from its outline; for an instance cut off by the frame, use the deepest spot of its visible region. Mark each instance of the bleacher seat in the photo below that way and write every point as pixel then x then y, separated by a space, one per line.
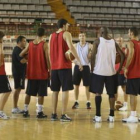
pixel 23 7
pixel 128 4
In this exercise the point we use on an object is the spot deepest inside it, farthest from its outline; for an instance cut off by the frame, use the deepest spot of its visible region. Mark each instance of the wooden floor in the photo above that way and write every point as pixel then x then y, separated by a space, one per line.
pixel 82 127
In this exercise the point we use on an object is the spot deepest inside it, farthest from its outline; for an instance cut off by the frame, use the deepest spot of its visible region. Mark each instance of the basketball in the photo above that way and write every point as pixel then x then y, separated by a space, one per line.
pixel 69 55
pixel 118 105
pixel 118 58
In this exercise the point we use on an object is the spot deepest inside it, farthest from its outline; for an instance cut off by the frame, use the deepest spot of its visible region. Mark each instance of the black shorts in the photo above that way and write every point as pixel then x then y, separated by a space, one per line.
pixel 19 81
pixel 84 75
pixel 62 78
pixel 98 81
pixel 37 87
pixel 121 80
pixel 133 86
pixel 4 84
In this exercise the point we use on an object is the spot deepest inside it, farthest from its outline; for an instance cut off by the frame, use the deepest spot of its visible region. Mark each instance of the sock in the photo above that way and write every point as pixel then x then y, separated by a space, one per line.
pixel 25 107
pixel 134 113
pixel 39 107
pixel 98 100
pixel 36 101
pixel 88 101
pixel 1 112
pixel 77 101
pixel 125 104
pixel 111 112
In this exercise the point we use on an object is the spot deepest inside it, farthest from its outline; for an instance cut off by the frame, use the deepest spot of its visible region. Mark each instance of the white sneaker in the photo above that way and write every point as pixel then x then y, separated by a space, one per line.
pixel 111 119
pixel 124 108
pixel 4 116
pixel 131 119
pixel 17 111
pixel 97 119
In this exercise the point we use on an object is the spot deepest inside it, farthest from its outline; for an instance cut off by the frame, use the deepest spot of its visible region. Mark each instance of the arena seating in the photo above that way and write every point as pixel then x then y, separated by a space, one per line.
pixel 118 13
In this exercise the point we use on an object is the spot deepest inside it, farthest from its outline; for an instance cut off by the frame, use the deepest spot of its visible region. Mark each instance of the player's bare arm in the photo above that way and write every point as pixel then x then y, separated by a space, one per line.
pixel 24 51
pixel 68 39
pixel 122 56
pixel 129 58
pixel 47 55
pixel 93 53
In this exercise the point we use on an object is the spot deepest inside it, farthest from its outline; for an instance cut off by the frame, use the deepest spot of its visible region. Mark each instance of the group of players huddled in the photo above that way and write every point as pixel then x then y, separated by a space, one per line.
pixel 45 64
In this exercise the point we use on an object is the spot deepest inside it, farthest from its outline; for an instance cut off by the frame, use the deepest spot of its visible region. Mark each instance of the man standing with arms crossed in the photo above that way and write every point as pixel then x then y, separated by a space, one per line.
pixel 103 71
pixel 132 73
pixel 18 71
pixel 83 49
pixel 61 68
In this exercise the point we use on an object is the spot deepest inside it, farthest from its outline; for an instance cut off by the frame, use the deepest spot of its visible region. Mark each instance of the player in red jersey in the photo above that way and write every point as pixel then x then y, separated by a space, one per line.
pixel 5 88
pixel 61 68
pixel 132 73
pixel 121 80
pixel 37 72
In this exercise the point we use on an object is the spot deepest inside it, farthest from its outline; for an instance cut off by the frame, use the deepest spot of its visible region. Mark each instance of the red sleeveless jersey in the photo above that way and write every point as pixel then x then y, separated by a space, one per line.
pixel 134 68
pixel 2 70
pixel 37 66
pixel 58 47
pixel 118 65
pixel 2 67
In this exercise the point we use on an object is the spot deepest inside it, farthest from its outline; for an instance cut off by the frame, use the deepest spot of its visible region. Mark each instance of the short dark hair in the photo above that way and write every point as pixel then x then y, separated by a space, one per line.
pixel 1 34
pixel 82 33
pixel 41 32
pixel 105 29
pixel 61 22
pixel 19 39
pixel 134 30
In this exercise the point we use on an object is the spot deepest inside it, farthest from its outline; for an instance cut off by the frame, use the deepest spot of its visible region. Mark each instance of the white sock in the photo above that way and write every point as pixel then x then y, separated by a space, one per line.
pixel 39 107
pixel 36 101
pixel 125 104
pixel 77 101
pixel 88 101
pixel 1 112
pixel 26 107
pixel 134 113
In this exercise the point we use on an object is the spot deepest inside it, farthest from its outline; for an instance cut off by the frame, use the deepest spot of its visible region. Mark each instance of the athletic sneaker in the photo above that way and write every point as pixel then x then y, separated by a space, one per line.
pixel 124 108
pixel 4 116
pixel 17 111
pixel 88 105
pixel 131 119
pixel 54 117
pixel 26 114
pixel 41 115
pixel 97 119
pixel 38 110
pixel 75 106
pixel 111 119
pixel 65 118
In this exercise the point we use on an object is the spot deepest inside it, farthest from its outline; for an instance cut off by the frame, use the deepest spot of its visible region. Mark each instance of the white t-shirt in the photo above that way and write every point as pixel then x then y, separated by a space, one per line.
pixel 83 53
